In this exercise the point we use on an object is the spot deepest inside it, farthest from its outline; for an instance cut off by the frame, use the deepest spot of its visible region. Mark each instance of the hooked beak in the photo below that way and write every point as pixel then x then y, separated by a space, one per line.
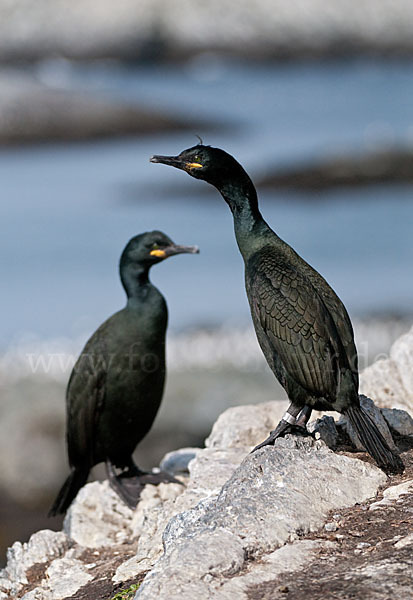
pixel 176 161
pixel 175 249
pixel 173 161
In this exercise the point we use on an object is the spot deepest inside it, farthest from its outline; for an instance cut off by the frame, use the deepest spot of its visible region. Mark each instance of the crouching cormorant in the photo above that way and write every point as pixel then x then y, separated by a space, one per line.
pixel 116 385
pixel 302 326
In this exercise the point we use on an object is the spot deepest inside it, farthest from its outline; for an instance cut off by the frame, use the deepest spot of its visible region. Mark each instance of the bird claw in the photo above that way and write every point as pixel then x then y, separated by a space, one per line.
pixel 268 442
pixel 157 478
pixel 281 432
pixel 298 430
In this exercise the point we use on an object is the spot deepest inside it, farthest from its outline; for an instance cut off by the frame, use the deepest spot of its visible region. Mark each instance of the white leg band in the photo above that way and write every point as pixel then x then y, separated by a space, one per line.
pixel 289 418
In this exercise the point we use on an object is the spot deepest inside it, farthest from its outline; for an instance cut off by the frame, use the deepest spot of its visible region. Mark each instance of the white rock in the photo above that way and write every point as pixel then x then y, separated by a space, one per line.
pixel 287 559
pixel 98 517
pixel 209 555
pixel 209 470
pixel 66 576
pixel 212 467
pixel 382 382
pixel 129 569
pixel 405 541
pixel 274 492
pixel 245 426
pixel 37 594
pixel 402 354
pixel 393 493
pixel 389 382
pixel 41 548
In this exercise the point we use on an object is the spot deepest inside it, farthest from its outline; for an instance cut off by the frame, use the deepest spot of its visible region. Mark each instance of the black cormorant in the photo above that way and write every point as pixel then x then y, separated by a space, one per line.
pixel 302 326
pixel 117 383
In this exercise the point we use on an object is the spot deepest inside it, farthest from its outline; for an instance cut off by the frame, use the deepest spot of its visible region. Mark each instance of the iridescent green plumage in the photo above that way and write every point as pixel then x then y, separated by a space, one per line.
pixel 302 326
pixel 117 383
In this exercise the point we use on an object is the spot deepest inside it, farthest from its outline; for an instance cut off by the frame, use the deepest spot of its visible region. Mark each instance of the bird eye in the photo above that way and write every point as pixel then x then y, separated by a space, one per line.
pixel 155 246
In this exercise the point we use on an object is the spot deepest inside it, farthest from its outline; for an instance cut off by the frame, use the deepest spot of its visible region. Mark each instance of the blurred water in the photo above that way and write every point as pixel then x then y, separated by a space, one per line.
pixel 67 211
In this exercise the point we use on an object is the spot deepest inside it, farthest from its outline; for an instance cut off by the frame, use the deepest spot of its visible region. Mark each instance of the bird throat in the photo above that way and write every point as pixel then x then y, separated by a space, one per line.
pixel 243 203
pixel 136 285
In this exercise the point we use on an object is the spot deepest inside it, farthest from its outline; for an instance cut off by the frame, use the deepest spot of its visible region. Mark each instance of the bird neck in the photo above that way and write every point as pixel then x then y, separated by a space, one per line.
pixel 136 284
pixel 249 225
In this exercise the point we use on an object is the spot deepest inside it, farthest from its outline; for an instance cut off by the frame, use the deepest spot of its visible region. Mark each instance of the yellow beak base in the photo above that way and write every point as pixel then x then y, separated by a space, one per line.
pixel 158 253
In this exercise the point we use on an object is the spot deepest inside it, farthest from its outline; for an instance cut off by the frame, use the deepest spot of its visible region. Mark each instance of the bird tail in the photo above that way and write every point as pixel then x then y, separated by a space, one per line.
pixel 68 491
pixel 373 441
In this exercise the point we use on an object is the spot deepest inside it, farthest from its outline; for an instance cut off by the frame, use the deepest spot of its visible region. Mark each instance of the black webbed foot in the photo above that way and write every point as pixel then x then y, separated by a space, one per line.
pixel 130 481
pixel 299 431
pixel 157 478
pixel 280 431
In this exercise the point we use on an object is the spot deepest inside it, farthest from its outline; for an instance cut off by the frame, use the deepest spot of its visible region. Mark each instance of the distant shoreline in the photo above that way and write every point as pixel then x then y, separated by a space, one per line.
pixel 139 30
pixel 392 165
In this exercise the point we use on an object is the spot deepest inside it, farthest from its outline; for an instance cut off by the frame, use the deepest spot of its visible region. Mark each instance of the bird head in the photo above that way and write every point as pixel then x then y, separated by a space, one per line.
pixel 213 165
pixel 150 248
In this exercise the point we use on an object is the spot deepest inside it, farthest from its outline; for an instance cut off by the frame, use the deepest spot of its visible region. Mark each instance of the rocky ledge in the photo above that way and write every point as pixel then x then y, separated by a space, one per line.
pixel 291 520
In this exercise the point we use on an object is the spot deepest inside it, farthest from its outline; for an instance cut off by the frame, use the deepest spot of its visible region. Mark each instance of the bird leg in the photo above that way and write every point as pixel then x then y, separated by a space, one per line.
pixel 304 417
pixel 129 483
pixel 286 425
pixel 157 478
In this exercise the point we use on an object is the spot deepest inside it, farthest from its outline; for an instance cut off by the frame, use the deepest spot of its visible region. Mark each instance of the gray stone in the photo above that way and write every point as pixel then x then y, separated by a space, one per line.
pixel 131 568
pixel 392 494
pixel 399 420
pixel 375 414
pixel 326 430
pixel 245 426
pixel 402 354
pixel 98 517
pixel 275 492
pixel 404 541
pixel 289 487
pixel 37 594
pixel 221 554
pixel 210 469
pixel 42 547
pixel 331 526
pixel 382 579
pixel 287 559
pixel 390 381
pixel 177 461
pixel 63 578
pixel 382 382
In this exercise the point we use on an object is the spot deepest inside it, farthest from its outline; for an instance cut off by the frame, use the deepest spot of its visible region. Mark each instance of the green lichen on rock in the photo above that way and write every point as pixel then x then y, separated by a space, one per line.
pixel 127 594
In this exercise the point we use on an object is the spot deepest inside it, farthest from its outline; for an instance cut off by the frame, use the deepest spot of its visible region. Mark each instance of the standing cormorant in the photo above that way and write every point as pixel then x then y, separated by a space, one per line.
pixel 302 326
pixel 117 383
